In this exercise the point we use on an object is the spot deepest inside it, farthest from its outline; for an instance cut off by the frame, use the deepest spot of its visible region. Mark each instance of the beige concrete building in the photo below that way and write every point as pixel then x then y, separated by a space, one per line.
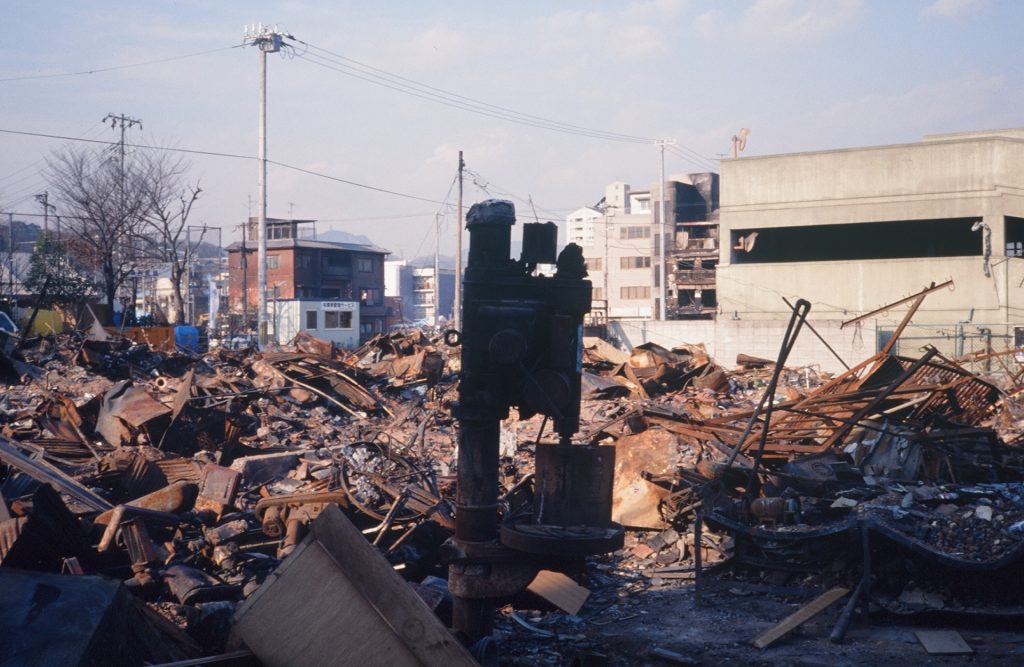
pixel 852 230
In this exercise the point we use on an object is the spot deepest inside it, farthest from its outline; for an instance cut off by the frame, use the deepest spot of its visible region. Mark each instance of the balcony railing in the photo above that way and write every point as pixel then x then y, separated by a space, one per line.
pixel 696 277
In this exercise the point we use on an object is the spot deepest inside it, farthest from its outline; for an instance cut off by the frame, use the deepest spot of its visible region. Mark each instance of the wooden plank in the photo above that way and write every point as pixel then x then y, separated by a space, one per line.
pixel 800 616
pixel 336 601
pixel 559 590
pixel 393 599
pixel 943 642
pixel 310 614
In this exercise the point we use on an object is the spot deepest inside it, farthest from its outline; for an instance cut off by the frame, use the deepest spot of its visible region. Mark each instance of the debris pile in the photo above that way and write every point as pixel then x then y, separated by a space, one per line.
pixel 193 478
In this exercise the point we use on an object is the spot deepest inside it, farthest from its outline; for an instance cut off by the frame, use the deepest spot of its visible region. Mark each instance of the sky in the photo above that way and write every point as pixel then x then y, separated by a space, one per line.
pixel 611 77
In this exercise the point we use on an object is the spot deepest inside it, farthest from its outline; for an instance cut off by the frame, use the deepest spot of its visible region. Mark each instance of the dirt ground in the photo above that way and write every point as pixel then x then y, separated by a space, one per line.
pixel 719 631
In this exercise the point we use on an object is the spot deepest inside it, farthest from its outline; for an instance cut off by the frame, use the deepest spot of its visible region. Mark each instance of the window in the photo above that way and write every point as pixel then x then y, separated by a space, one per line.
pixel 634 292
pixel 307 292
pixel 598 294
pixel 371 296
pixel 279 231
pixel 635 232
pixel 423 298
pixel 273 261
pixel 634 262
pixel 305 261
pixel 595 263
pixel 366 328
pixel 365 264
pixel 330 293
pixel 337 319
pixel 422 283
pixel 311 319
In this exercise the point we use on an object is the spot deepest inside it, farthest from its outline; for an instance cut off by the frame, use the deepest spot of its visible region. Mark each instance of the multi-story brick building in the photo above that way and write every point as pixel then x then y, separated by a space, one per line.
pixel 302 268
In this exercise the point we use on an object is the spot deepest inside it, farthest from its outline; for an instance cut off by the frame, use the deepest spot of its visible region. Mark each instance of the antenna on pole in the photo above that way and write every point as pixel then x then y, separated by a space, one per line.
pixel 267 40
pixel 739 141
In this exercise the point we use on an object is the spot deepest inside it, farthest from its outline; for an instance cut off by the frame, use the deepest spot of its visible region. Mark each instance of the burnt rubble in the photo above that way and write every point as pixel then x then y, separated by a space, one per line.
pixel 192 480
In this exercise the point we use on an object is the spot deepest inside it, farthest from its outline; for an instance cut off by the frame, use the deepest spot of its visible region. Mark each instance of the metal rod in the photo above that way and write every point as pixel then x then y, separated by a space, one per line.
pixel 788 341
pixel 819 337
pixel 876 311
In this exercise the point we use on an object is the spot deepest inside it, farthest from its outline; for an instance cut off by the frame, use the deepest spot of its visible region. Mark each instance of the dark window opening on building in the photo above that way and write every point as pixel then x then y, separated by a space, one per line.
pixel 1014 230
pixel 901 239
pixel 696 299
pixel 337 319
pixel 371 297
pixel 311 319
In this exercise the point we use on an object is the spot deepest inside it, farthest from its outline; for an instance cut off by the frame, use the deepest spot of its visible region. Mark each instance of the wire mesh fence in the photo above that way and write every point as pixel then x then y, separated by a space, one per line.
pixel 981 348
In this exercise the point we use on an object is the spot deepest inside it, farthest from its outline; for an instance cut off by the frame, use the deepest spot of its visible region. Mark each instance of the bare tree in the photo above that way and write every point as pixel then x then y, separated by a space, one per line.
pixel 105 203
pixel 169 201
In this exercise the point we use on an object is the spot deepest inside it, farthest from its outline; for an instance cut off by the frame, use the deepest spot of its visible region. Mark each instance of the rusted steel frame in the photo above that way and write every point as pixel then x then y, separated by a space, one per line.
pixel 696 430
pixel 325 396
pixel 796 322
pixel 870 427
pixel 819 337
pixel 332 374
pixel 340 498
pixel 46 473
pixel 889 344
pixel 926 291
pixel 866 410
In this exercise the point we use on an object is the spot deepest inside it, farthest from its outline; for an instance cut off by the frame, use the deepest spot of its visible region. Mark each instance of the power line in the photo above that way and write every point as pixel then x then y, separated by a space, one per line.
pixel 116 67
pixel 401 84
pixel 236 156
pixel 701 161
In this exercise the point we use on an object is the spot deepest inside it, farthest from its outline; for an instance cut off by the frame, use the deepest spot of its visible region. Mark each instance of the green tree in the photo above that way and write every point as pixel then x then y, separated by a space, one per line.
pixel 51 266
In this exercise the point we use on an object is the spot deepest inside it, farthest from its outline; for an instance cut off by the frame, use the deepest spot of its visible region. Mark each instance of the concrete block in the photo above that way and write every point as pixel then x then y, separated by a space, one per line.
pixel 265 468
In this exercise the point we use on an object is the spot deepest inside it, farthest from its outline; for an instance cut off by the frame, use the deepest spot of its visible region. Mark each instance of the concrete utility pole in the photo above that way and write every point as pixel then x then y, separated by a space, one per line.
pixel 457 314
pixel 662 267
pixel 268 41
pixel 124 123
pixel 437 269
pixel 44 199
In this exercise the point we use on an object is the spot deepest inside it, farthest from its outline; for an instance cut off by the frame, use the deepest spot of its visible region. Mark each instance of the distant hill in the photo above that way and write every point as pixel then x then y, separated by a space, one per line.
pixel 341 236
pixel 25 235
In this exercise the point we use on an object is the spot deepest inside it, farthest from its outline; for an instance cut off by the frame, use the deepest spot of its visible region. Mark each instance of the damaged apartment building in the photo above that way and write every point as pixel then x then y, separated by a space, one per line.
pixel 619 236
pixel 855 229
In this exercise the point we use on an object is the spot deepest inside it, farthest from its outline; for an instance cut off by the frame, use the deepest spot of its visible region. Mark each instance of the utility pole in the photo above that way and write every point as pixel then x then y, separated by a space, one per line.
pixel 662 267
pixel 44 199
pixel 10 258
pixel 268 41
pixel 244 260
pixel 437 268
pixel 125 123
pixel 457 314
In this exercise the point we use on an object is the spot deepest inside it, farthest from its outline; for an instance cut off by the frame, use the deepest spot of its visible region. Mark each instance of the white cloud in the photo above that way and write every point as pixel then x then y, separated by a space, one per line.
pixel 950 8
pixel 963 103
pixel 782 22
pixel 639 31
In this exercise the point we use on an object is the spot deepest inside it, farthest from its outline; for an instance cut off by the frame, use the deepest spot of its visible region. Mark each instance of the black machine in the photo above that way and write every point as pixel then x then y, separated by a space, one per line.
pixel 522 347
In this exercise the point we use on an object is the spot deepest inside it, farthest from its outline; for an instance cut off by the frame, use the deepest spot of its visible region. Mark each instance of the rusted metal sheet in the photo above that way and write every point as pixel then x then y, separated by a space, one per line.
pixel 125 411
